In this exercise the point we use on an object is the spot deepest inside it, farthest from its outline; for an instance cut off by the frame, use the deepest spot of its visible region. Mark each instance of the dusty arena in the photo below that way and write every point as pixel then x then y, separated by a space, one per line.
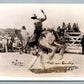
pixel 17 65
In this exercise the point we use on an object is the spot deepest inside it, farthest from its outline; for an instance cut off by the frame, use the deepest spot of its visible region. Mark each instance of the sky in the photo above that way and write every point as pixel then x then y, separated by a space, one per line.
pixel 17 15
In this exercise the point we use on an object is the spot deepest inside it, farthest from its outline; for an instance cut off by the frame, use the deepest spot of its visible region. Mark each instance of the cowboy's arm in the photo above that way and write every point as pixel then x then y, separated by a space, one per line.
pixel 45 17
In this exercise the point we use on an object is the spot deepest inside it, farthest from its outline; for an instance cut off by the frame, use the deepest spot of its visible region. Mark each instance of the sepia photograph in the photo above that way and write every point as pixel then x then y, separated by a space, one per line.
pixel 41 42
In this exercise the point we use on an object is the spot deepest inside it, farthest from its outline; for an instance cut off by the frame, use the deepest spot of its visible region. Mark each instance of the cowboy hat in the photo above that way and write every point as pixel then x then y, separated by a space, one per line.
pixel 34 16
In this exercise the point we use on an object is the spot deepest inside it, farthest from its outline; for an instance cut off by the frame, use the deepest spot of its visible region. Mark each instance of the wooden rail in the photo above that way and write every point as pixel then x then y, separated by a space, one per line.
pixel 73 41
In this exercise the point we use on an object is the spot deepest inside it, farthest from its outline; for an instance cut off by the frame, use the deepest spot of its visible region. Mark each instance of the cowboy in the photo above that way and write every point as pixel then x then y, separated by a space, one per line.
pixel 38 25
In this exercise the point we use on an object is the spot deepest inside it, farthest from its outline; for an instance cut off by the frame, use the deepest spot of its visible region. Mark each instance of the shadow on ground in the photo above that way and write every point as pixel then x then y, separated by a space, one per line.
pixel 59 69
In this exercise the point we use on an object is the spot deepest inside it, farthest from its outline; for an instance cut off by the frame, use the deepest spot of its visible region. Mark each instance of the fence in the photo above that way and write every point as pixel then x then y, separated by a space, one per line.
pixel 73 42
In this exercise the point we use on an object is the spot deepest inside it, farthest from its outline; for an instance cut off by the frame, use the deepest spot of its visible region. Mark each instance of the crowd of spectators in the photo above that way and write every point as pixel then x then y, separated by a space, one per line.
pixel 67 28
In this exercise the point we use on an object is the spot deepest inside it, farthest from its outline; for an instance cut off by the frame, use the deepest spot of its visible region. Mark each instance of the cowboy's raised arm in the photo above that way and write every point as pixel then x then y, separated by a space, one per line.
pixel 45 17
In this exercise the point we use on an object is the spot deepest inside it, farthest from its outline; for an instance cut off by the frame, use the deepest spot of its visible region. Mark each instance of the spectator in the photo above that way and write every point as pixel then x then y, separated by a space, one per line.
pixel 69 27
pixel 59 31
pixel 82 43
pixel 64 27
pixel 75 28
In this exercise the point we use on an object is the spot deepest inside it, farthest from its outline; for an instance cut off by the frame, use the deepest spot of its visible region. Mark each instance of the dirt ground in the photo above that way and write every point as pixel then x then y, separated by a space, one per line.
pixel 16 66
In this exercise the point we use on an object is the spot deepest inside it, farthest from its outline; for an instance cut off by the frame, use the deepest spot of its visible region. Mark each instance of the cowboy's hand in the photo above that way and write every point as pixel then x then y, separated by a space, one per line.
pixel 42 11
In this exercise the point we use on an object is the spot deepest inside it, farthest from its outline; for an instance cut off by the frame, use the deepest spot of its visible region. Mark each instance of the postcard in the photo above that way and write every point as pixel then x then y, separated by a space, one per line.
pixel 42 42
